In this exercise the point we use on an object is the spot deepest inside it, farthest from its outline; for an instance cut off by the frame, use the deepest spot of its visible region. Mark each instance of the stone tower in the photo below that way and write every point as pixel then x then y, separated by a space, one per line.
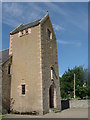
pixel 34 68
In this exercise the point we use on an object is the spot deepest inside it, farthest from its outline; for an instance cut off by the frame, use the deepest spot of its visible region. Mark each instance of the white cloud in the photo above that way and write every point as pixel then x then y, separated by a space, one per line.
pixel 64 42
pixel 77 44
pixel 16 13
pixel 82 17
pixel 58 27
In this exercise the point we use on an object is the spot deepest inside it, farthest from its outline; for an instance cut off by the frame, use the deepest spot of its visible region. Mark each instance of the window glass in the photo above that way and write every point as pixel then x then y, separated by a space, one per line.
pixel 26 31
pixel 9 69
pixel 23 89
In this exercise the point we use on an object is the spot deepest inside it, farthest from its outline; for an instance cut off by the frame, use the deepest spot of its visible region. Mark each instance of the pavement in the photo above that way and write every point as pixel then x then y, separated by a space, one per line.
pixel 67 113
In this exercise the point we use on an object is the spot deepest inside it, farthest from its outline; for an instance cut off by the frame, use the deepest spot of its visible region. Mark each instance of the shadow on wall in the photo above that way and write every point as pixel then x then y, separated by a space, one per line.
pixel 65 104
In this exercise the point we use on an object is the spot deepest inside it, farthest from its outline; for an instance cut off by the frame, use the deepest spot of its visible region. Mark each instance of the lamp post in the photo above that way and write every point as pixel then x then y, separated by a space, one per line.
pixel 74 85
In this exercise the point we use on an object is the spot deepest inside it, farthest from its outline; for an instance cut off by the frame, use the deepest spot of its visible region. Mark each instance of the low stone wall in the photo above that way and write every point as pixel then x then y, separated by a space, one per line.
pixel 78 103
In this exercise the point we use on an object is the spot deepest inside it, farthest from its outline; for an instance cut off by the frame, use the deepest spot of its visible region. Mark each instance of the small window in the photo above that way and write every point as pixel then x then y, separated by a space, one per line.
pixel 49 34
pixel 9 68
pixel 22 32
pixel 23 89
pixel 26 31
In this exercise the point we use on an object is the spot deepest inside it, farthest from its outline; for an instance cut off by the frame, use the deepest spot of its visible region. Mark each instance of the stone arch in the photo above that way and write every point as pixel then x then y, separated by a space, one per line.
pixel 52 97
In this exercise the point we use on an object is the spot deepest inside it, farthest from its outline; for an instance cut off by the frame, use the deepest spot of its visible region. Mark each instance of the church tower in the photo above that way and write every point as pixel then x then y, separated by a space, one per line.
pixel 34 69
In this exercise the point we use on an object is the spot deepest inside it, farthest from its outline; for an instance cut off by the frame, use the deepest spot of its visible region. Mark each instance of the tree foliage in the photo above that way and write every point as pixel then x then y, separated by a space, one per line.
pixel 67 83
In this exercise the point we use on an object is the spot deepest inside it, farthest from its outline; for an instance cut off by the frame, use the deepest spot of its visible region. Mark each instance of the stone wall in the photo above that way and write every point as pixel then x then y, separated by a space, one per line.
pixel 78 103
pixel 6 87
pixel 26 70
pixel 4 61
pixel 49 58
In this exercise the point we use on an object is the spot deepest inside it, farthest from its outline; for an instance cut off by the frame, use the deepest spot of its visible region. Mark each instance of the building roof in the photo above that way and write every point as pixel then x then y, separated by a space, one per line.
pixel 25 26
pixel 4 56
pixel 29 25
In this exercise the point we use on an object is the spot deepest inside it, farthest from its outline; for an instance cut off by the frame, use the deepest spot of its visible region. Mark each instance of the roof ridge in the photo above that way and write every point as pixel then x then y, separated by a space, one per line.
pixel 29 25
pixel 31 22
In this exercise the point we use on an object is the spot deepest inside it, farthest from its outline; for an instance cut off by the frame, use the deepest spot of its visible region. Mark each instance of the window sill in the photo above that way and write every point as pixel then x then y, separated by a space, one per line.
pixel 23 95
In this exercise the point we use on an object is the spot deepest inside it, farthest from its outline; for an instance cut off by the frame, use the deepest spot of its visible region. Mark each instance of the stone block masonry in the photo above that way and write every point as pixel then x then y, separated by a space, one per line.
pixel 79 103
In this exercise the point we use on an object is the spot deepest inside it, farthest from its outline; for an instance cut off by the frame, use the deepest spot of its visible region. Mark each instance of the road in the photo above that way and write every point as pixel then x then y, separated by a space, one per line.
pixel 68 113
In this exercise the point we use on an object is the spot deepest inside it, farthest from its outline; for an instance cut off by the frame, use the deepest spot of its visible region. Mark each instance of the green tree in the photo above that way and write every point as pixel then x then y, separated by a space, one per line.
pixel 67 83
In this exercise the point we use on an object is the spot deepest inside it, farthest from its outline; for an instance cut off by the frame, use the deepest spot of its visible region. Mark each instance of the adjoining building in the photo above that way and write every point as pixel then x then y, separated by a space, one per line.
pixel 30 81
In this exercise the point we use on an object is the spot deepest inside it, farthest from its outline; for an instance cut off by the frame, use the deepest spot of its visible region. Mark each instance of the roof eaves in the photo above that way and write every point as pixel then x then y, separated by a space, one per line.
pixel 22 27
pixel 16 29
pixel 6 60
pixel 29 25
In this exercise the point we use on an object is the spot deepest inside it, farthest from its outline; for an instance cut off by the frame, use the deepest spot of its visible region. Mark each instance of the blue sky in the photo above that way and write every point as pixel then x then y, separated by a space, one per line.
pixel 70 23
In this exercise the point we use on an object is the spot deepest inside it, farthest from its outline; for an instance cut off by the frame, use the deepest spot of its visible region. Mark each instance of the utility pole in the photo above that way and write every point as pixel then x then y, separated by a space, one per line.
pixel 74 85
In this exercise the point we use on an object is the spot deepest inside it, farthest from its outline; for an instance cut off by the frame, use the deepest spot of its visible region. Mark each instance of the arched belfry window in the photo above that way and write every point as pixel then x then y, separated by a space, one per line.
pixel 9 69
pixel 49 34
pixel 51 73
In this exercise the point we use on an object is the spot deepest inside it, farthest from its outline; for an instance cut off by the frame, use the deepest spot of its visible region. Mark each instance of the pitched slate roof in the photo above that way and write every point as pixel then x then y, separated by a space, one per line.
pixel 22 27
pixel 4 56
pixel 29 25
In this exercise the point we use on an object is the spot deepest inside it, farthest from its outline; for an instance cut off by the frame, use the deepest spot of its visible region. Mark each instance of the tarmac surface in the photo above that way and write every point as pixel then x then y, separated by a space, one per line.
pixel 67 113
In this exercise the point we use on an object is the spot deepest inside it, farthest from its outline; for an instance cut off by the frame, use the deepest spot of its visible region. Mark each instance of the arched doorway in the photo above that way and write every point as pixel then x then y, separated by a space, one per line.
pixel 51 96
